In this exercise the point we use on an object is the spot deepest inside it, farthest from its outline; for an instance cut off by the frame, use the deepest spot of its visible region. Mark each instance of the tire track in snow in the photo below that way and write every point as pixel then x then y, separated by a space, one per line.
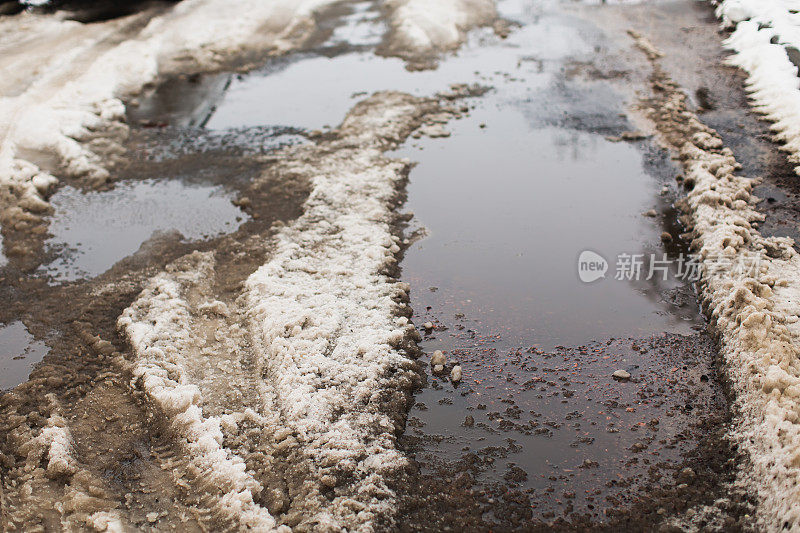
pixel 329 332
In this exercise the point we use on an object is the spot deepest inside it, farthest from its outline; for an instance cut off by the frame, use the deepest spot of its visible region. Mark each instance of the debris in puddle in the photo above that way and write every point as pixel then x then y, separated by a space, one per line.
pixel 621 375
pixel 432 130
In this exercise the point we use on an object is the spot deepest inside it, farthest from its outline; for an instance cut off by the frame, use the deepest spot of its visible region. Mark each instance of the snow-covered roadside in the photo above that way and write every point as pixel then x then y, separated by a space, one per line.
pixel 63 104
pixel 419 30
pixel 326 326
pixel 754 309
pixel 766 45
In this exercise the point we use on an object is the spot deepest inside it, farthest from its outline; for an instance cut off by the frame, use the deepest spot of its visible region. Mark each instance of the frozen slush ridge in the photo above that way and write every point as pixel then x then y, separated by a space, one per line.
pixel 158 325
pixel 754 313
pixel 324 313
pixel 765 34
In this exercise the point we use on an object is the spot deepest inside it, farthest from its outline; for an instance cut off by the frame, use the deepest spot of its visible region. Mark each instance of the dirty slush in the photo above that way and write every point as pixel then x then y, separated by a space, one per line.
pixel 314 266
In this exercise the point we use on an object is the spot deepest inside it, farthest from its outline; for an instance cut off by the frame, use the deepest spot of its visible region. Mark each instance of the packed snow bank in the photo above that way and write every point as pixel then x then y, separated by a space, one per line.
pixel 309 364
pixel 750 292
pixel 766 42
pixel 61 103
pixel 419 29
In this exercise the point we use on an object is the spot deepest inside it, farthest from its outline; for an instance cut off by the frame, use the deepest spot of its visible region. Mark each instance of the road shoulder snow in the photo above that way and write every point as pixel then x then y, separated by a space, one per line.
pixel 749 291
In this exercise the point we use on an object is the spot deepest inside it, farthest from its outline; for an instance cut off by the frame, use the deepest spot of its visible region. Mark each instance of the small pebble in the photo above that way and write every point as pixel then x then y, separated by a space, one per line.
pixel 469 421
pixel 686 475
pixel 438 358
pixel 621 374
pixel 666 237
pixel 428 325
pixel 152 517
pixel 455 374
pixel 438 369
pixel 650 214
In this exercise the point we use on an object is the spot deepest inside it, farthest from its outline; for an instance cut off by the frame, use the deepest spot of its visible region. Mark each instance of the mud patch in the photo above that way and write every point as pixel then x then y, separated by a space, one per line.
pixel 550 439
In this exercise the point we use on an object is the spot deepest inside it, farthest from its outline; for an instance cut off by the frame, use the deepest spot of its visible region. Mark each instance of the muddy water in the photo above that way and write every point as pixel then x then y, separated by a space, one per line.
pixel 524 185
pixel 91 231
pixel 19 352
pixel 508 207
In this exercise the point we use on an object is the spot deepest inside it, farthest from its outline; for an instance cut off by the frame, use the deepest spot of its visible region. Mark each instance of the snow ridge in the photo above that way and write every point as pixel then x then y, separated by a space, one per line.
pixel 755 310
pixel 158 326
pixel 324 312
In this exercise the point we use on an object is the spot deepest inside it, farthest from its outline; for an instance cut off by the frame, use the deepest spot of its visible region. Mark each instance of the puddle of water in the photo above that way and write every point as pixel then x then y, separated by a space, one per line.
pixel 19 352
pixel 510 207
pixel 3 259
pixel 312 91
pixel 91 231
